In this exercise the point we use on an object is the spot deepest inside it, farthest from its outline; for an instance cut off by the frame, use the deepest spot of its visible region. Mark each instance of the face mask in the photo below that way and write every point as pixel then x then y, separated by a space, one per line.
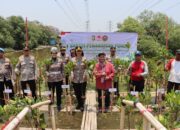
pixel 63 54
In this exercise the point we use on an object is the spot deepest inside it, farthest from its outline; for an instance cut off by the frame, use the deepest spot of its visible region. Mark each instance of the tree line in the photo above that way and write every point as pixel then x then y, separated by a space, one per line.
pixel 12 33
pixel 151 28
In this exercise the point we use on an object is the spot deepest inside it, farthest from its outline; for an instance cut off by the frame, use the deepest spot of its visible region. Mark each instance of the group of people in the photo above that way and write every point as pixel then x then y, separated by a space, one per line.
pixel 104 72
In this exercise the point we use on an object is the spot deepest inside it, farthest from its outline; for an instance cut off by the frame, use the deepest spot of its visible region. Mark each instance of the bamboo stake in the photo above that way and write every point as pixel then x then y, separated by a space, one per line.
pixel 102 98
pixel 13 124
pixel 146 124
pixel 53 118
pixel 122 118
pixel 146 114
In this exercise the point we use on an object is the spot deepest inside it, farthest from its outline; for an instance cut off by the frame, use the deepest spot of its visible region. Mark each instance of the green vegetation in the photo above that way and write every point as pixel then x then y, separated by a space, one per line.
pixel 151 28
pixel 12 33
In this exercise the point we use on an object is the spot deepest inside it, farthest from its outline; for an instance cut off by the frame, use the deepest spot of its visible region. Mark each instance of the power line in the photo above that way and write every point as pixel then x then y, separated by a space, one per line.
pixel 72 12
pixel 74 9
pixel 61 7
pixel 172 6
pixel 153 5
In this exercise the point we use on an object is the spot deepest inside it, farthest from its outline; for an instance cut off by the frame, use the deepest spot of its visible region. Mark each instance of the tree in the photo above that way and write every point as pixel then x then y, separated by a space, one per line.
pixel 6 40
pixel 131 25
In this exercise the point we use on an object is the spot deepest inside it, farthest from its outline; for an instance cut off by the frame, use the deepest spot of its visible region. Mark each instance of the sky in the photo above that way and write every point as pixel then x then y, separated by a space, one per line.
pixel 72 15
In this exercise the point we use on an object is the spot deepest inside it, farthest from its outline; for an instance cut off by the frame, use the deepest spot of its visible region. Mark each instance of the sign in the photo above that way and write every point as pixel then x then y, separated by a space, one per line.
pixel 134 93
pixel 65 86
pixel 112 90
pixel 27 91
pixel 96 42
pixel 161 90
pixel 48 93
pixel 8 91
pixel 52 41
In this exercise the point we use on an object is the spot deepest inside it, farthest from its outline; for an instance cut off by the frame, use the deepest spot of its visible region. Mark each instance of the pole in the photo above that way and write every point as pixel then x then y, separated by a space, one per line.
pixel 166 32
pixel 26 27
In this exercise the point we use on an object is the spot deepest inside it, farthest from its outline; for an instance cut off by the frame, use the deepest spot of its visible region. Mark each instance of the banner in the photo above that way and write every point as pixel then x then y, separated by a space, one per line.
pixel 96 42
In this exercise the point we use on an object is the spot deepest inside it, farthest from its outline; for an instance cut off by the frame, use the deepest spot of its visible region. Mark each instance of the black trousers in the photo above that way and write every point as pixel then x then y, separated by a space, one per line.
pixel 173 86
pixel 56 86
pixel 116 85
pixel 107 98
pixel 9 85
pixel 32 86
pixel 80 91
pixel 139 85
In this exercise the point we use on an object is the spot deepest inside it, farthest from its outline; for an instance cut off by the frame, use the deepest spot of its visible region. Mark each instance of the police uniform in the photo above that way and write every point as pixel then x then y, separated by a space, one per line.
pixel 6 75
pixel 79 79
pixel 27 68
pixel 65 59
pixel 55 76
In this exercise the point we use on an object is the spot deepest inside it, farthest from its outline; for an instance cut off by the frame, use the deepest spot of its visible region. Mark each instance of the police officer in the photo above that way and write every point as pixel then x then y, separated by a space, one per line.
pixel 55 75
pixel 6 76
pixel 64 58
pixel 79 77
pixel 27 68
pixel 111 59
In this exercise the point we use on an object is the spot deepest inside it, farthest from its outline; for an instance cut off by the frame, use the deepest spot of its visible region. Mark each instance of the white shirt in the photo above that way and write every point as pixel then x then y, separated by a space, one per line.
pixel 175 72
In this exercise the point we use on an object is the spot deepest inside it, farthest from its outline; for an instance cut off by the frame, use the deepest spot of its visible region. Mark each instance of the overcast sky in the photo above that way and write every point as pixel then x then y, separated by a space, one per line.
pixel 72 15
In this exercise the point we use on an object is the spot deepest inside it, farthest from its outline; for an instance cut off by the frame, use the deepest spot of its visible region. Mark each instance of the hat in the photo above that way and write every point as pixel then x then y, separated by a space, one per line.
pixel 138 53
pixel 54 50
pixel 79 49
pixel 102 53
pixel 178 51
pixel 26 48
pixel 113 48
pixel 1 50
pixel 63 48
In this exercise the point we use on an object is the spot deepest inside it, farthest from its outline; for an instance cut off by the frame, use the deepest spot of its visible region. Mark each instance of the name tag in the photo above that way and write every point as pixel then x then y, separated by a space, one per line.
pixel 8 91
pixel 65 86
pixel 27 91
pixel 48 93
pixel 161 90
pixel 177 91
pixel 134 93
pixel 112 90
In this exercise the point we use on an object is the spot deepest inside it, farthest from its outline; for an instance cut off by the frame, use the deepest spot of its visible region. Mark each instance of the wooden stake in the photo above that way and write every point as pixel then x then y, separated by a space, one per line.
pixel 122 118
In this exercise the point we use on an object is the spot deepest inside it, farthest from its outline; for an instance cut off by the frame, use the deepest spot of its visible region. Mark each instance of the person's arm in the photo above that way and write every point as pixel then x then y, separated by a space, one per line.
pixel 36 70
pixel 168 65
pixel 96 73
pixel 145 70
pixel 129 70
pixel 111 75
pixel 18 67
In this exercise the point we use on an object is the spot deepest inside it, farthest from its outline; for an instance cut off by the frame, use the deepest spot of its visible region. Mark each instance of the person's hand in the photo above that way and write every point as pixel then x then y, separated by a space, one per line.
pixel 138 75
pixel 103 74
pixel 107 77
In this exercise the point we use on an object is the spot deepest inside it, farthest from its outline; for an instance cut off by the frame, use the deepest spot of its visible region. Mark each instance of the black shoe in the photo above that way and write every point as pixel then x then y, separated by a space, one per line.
pixel 59 108
pixel 78 107
pixel 82 109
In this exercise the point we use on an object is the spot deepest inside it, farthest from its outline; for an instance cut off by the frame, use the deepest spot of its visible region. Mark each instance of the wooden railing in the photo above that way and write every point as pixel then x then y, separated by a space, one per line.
pixel 148 118
pixel 16 120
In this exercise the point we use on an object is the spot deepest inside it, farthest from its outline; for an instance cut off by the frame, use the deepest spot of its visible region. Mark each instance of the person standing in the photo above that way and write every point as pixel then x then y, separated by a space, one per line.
pixel 6 76
pixel 72 52
pixel 173 66
pixel 65 59
pixel 28 71
pixel 55 76
pixel 137 70
pixel 111 58
pixel 104 74
pixel 79 77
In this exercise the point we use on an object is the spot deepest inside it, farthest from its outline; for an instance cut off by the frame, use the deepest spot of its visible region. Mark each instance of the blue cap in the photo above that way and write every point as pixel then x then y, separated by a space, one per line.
pixel 138 53
pixel 1 50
